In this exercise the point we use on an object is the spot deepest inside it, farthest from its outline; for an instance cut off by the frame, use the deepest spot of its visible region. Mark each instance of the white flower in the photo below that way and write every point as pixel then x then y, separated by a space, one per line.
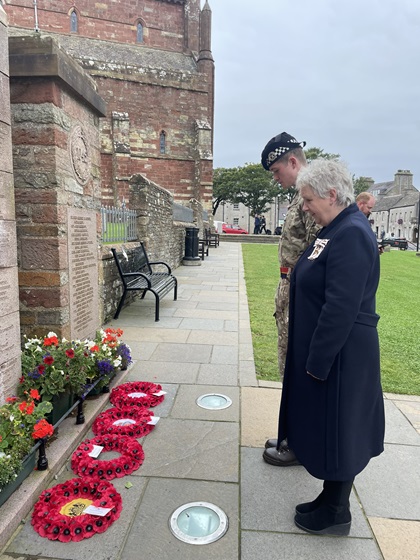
pixel 51 334
pixel 117 362
pixel 11 417
pixel 62 372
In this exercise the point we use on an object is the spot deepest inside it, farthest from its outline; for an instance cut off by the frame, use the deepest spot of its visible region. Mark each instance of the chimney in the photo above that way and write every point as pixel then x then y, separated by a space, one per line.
pixel 369 182
pixel 403 180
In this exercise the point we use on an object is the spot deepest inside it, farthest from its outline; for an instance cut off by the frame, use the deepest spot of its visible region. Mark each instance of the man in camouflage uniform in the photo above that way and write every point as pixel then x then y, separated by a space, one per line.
pixel 284 157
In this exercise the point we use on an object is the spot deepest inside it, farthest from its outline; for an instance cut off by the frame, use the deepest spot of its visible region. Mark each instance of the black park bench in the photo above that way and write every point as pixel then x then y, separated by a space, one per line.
pixel 136 273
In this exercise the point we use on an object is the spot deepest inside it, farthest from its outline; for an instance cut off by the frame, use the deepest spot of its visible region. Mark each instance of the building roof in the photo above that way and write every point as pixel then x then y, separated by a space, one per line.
pixel 387 203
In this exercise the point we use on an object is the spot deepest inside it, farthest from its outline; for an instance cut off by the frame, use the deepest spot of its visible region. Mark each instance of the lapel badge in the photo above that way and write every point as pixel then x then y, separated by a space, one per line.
pixel 319 246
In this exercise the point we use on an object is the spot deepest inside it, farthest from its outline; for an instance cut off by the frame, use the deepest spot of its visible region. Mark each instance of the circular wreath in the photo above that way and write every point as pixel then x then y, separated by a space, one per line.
pixel 131 422
pixel 136 393
pixel 132 456
pixel 59 514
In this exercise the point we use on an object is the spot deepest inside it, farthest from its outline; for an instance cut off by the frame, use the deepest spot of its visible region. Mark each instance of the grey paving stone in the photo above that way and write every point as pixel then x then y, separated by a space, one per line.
pixel 185 404
pixel 225 355
pixel 142 350
pixel 187 353
pixel 258 546
pixel 150 537
pixel 152 334
pixel 104 546
pixel 202 324
pixel 231 326
pixel 398 429
pixel 218 374
pixel 192 449
pixel 207 314
pixel 390 484
pixel 270 494
pixel 164 372
pixel 213 337
pixel 221 306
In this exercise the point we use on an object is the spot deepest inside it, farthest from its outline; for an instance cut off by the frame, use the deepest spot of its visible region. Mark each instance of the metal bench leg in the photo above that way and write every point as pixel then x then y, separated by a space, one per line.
pixel 176 290
pixel 120 304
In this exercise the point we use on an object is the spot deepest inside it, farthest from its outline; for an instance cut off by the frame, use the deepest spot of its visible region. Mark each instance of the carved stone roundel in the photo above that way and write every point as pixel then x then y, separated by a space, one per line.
pixel 79 155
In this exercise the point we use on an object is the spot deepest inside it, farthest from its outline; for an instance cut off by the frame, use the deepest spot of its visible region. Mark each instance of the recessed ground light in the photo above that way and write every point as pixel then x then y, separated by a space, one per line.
pixel 214 401
pixel 198 523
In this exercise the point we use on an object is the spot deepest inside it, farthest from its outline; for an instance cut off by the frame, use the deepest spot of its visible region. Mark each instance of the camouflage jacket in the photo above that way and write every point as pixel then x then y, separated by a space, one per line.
pixel 299 231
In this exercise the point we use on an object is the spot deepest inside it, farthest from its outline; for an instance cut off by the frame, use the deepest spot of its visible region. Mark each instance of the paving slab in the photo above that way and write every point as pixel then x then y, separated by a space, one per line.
pixel 259 546
pixel 141 350
pixel 398 540
pixel 151 334
pixel 206 314
pixel 259 415
pixel 411 410
pixel 213 338
pixel 164 372
pixel 186 407
pixel 188 353
pixel 150 537
pixel 217 374
pixel 104 546
pixel 202 324
pixel 398 428
pixel 390 484
pixel 220 306
pixel 192 449
pixel 270 494
pixel 224 355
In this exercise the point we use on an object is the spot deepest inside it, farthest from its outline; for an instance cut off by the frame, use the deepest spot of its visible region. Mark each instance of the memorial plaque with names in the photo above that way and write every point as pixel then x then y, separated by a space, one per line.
pixel 9 295
pixel 9 337
pixel 8 242
pixel 9 377
pixel 83 273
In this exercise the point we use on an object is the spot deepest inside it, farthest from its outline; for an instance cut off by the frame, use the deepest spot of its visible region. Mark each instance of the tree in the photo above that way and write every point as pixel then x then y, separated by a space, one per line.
pixel 250 185
pixel 361 184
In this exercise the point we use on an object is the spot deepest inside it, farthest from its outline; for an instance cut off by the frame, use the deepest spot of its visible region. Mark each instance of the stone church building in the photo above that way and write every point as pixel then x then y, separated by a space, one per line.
pixel 103 103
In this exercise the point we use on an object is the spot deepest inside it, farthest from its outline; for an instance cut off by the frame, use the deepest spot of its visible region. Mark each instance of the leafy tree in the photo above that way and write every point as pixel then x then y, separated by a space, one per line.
pixel 315 153
pixel 361 184
pixel 250 185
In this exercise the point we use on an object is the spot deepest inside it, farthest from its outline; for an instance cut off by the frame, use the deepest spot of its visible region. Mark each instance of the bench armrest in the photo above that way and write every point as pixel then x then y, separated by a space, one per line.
pixel 164 263
pixel 139 274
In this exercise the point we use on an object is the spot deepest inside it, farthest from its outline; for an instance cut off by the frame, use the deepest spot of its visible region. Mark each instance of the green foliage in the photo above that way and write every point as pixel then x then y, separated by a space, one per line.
pixel 398 304
pixel 360 184
pixel 315 153
pixel 250 185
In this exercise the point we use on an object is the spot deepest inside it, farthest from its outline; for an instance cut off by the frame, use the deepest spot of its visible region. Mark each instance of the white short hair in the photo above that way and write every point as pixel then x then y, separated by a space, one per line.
pixel 322 175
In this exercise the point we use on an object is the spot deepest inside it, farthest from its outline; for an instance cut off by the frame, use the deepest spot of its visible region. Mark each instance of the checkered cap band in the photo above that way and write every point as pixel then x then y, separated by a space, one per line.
pixel 275 154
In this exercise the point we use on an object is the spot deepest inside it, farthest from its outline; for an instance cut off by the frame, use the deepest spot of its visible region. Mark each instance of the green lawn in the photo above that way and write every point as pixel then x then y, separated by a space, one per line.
pixel 398 304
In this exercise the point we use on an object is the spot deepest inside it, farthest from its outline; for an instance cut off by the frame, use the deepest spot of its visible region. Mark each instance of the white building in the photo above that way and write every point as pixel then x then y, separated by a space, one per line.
pixel 397 207
pixel 239 215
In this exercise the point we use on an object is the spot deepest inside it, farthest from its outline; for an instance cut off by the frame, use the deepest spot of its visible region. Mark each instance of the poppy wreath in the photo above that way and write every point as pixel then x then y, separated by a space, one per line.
pixel 136 393
pixel 132 456
pixel 127 421
pixel 59 512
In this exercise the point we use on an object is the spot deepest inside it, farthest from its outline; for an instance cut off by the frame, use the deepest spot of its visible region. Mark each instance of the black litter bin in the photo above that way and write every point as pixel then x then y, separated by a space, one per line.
pixel 191 244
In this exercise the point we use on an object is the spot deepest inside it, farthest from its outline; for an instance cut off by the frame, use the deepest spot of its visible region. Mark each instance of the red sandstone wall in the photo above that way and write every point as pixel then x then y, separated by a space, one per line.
pixel 109 20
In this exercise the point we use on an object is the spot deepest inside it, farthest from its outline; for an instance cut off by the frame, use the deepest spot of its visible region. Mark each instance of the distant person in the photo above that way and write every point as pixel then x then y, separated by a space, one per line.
pixel 332 408
pixel 277 231
pixel 257 224
pixel 262 224
pixel 365 201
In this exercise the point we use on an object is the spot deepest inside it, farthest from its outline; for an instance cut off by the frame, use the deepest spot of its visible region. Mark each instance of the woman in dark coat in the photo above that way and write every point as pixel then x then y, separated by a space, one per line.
pixel 332 411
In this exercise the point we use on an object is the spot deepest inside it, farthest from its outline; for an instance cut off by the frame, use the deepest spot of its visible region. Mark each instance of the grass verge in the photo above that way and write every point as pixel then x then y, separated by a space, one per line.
pixel 398 304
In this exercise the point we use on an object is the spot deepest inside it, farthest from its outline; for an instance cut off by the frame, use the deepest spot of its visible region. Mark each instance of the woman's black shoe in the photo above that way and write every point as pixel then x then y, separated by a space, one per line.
pixel 307 507
pixel 325 520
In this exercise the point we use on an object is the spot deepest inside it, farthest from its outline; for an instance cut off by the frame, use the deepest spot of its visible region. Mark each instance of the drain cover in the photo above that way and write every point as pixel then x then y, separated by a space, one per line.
pixel 198 523
pixel 214 401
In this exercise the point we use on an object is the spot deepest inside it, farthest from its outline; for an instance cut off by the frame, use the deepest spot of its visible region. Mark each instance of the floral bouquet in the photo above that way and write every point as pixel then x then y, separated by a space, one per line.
pixel 22 422
pixel 53 367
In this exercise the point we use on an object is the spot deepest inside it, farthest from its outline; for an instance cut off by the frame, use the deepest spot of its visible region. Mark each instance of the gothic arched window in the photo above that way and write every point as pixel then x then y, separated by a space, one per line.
pixel 74 24
pixel 162 142
pixel 139 38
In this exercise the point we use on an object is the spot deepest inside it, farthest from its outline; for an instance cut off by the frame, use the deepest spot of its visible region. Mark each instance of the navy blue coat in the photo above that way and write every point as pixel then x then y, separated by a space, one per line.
pixel 335 423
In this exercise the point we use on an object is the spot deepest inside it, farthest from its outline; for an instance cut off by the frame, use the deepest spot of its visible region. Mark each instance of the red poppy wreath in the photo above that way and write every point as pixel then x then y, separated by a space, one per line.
pixel 132 456
pixel 76 509
pixel 137 393
pixel 131 422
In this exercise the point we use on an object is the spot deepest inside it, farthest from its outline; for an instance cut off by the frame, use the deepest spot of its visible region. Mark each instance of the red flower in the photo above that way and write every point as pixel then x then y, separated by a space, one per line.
pixel 41 369
pixel 70 353
pixel 22 406
pixel 51 341
pixel 94 348
pixel 34 393
pixel 30 408
pixel 42 429
pixel 11 399
pixel 49 360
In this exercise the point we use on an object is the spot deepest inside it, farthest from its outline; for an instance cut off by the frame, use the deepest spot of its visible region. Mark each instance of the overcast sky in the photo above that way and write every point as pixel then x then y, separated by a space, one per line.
pixel 344 75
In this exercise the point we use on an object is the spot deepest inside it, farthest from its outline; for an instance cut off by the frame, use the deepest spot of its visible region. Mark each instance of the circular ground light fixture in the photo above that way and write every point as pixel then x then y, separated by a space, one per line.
pixel 214 401
pixel 198 523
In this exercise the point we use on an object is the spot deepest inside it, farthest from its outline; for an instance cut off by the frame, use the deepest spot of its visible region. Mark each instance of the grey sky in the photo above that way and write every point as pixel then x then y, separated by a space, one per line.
pixel 344 75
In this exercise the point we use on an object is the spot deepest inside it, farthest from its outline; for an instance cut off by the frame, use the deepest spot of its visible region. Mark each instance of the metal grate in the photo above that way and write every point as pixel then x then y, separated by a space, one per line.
pixel 118 224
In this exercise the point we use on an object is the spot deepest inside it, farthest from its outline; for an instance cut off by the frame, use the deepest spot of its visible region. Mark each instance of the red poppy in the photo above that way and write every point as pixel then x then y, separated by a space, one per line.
pixel 131 422
pixel 129 394
pixel 70 353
